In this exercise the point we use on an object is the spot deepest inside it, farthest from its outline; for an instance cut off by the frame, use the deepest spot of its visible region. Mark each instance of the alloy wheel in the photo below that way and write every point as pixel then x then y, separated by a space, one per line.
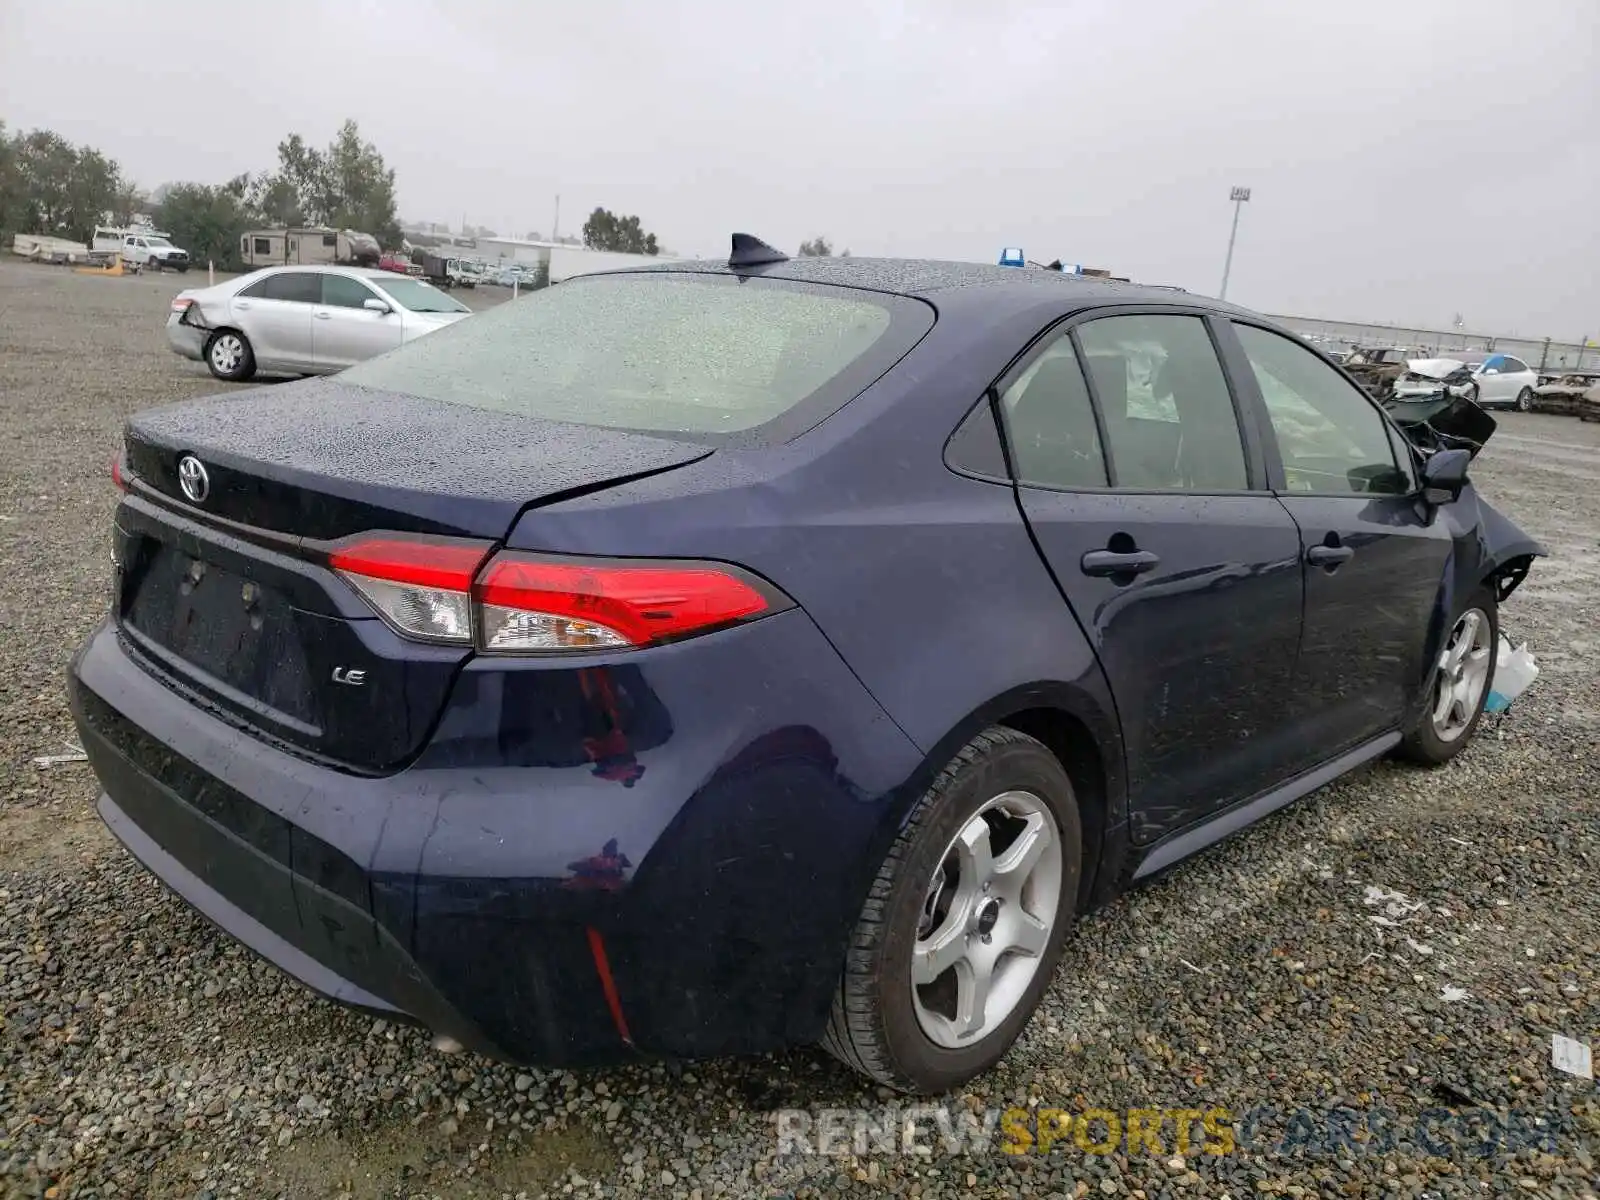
pixel 986 919
pixel 1463 671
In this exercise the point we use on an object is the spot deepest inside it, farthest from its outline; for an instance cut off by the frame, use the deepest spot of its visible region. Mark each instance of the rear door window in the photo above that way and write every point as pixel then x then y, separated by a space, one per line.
pixel 1168 414
pixel 301 287
pixel 704 355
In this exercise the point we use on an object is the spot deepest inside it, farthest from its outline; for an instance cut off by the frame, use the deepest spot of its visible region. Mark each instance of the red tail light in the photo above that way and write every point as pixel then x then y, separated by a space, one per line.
pixel 535 603
pixel 421 586
pixel 116 474
pixel 440 590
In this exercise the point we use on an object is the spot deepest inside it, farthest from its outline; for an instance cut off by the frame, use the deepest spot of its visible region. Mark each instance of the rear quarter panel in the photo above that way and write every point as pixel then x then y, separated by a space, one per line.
pixel 925 581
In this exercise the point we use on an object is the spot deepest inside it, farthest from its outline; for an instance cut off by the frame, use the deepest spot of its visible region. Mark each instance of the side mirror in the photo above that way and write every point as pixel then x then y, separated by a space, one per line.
pixel 376 305
pixel 1444 475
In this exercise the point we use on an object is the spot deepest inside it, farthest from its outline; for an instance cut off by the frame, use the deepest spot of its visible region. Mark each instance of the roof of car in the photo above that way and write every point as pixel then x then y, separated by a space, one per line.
pixel 332 269
pixel 931 278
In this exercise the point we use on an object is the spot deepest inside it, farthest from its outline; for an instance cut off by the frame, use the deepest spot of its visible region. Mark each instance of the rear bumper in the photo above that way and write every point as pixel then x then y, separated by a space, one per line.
pixel 474 893
pixel 186 339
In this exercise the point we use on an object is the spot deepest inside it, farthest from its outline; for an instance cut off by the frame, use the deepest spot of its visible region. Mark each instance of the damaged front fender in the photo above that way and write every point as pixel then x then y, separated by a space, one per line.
pixel 1505 551
pixel 1489 547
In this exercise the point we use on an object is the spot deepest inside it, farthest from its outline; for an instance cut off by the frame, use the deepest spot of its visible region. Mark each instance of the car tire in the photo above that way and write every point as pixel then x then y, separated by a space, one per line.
pixel 906 1036
pixel 229 356
pixel 1525 400
pixel 1440 734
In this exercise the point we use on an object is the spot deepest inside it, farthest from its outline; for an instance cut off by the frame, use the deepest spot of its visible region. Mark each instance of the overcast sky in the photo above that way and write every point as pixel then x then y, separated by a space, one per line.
pixel 1410 159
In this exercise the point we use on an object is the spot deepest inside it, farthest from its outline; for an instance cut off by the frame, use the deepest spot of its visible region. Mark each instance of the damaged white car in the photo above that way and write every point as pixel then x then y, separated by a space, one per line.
pixel 1485 377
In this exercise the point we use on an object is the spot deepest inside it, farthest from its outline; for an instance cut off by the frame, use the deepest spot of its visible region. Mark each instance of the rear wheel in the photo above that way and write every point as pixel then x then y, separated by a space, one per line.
pixel 965 922
pixel 229 356
pixel 1462 677
pixel 1525 400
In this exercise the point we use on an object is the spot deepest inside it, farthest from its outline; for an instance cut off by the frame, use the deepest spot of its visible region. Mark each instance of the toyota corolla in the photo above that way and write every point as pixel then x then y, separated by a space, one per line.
pixel 705 658
pixel 304 320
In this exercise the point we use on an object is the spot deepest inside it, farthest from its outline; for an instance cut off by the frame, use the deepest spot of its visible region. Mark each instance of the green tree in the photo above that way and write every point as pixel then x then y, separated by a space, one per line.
pixel 129 200
pixel 57 188
pixel 606 231
pixel 347 186
pixel 12 209
pixel 207 221
pixel 45 161
pixel 275 200
pixel 820 247
pixel 93 190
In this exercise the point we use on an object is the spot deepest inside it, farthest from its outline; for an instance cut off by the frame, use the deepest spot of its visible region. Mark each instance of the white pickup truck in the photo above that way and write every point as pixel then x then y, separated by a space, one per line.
pixel 147 248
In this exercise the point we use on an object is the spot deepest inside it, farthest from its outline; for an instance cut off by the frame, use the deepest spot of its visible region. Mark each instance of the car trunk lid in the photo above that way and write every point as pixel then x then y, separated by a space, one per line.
pixel 230 596
pixel 322 460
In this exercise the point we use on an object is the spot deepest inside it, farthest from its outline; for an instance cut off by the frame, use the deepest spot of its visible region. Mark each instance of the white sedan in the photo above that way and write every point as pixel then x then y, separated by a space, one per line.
pixel 1499 380
pixel 304 320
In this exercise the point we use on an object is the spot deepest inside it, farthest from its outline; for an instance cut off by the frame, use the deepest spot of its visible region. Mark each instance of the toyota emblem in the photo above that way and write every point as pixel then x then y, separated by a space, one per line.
pixel 192 478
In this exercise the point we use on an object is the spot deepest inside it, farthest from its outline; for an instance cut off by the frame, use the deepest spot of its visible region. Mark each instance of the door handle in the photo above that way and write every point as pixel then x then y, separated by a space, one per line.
pixel 1113 562
pixel 1329 556
pixel 323 316
pixel 241 304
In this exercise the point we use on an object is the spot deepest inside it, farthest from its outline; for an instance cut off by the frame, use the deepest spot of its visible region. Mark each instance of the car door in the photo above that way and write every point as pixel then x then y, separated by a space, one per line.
pixel 275 314
pixel 1493 385
pixel 131 250
pixel 1373 557
pixel 1519 377
pixel 344 331
pixel 1150 506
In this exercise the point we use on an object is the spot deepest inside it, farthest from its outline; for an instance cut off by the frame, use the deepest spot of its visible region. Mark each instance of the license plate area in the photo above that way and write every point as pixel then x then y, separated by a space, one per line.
pixel 231 630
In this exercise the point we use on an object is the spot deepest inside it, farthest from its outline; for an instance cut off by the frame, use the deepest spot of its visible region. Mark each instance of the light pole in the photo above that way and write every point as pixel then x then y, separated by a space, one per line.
pixel 1238 195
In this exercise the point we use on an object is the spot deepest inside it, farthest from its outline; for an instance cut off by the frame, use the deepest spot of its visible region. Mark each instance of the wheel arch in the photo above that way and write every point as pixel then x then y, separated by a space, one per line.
pixel 1068 738
pixel 1077 729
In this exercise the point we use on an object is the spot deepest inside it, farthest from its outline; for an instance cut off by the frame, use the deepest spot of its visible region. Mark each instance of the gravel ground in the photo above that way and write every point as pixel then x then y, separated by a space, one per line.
pixel 1403 940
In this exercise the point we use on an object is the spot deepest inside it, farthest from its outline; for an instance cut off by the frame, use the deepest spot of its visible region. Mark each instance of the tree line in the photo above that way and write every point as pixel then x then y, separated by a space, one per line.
pixel 51 187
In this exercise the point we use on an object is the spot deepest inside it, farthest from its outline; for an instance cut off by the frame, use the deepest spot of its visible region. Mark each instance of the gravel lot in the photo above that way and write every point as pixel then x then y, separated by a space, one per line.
pixel 142 1054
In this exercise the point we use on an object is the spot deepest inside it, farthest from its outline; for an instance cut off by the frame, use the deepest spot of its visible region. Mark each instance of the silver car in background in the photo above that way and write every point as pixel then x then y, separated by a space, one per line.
pixel 305 320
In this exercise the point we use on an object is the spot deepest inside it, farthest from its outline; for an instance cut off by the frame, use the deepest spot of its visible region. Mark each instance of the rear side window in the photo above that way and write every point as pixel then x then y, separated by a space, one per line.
pixel 660 352
pixel 1050 418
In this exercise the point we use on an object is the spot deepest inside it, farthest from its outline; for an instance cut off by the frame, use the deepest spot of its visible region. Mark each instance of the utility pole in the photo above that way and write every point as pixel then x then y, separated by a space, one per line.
pixel 555 226
pixel 1238 195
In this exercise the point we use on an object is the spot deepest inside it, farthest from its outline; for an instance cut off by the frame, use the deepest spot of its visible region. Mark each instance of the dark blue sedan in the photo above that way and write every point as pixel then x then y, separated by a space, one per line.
pixel 707 658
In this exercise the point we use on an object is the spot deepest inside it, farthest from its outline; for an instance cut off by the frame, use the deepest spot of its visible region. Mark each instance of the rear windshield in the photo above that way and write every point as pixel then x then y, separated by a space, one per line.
pixel 695 354
pixel 418 296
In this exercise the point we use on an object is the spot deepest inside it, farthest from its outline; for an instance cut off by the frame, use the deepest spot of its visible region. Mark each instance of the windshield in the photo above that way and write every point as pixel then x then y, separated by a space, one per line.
pixel 156 241
pixel 417 296
pixel 667 352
